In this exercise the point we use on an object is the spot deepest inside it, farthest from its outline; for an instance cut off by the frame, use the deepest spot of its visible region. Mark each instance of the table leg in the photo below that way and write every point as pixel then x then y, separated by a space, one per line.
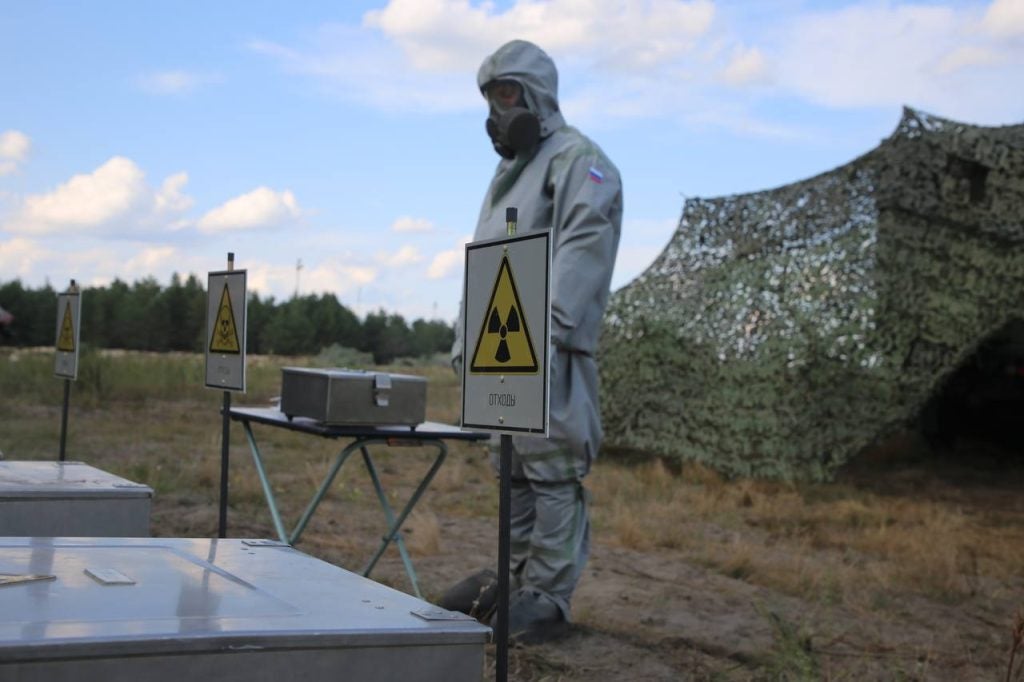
pixel 324 487
pixel 396 525
pixel 267 492
pixel 390 516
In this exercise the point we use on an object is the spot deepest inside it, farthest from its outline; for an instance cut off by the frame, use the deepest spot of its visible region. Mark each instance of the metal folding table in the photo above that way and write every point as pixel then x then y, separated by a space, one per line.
pixel 427 434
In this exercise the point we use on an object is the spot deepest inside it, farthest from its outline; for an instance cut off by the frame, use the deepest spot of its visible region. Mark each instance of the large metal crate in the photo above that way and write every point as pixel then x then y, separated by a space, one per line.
pixel 227 610
pixel 70 499
pixel 350 396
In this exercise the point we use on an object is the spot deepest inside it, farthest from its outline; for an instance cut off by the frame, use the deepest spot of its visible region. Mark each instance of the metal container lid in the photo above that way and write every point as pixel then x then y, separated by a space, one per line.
pixel 63 479
pixel 344 372
pixel 98 597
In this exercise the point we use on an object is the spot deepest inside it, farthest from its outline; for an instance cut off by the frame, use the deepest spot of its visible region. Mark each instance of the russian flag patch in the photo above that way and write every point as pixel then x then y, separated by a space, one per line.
pixel 596 175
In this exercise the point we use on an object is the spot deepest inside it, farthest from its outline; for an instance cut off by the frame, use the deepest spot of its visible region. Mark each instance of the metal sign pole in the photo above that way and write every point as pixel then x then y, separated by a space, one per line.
pixel 504 523
pixel 64 418
pixel 222 526
pixel 68 325
pixel 504 542
pixel 225 440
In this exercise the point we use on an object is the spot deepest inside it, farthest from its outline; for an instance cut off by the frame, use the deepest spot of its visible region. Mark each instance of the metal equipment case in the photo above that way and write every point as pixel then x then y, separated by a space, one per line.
pixel 159 609
pixel 49 499
pixel 351 396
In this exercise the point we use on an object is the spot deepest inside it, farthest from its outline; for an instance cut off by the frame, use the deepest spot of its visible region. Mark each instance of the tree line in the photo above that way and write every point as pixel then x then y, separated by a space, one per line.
pixel 146 316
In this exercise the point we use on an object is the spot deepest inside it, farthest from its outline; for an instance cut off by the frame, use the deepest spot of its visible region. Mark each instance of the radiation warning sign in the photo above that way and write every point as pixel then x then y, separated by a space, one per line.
pixel 69 309
pixel 504 344
pixel 225 330
pixel 506 321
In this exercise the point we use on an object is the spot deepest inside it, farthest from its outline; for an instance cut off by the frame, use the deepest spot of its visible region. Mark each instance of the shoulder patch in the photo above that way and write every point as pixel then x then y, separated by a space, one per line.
pixel 595 175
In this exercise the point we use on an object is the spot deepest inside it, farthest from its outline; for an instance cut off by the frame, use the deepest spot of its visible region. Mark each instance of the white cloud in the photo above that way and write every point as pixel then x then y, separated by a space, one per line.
pixel 152 259
pixel 170 197
pixel 14 148
pixel 364 67
pixel 341 278
pixel 262 207
pixel 747 66
pixel 448 262
pixel 19 256
pixel 38 260
pixel 407 255
pixel 89 202
pixel 668 59
pixel 175 82
pixel 112 200
pixel 966 57
pixel 128 261
pixel 1005 18
pixel 445 264
pixel 417 55
pixel 279 280
pixel 409 224
pixel 449 35
pixel 884 55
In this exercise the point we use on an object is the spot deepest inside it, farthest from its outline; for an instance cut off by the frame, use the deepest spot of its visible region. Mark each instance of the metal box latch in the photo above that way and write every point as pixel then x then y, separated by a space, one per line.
pixel 382 389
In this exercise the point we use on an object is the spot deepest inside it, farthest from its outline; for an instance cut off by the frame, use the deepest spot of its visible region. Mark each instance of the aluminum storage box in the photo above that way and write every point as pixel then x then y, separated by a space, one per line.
pixel 351 396
pixel 50 499
pixel 159 609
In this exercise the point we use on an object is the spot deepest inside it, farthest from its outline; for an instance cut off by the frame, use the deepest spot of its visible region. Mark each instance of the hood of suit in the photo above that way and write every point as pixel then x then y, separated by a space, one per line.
pixel 531 67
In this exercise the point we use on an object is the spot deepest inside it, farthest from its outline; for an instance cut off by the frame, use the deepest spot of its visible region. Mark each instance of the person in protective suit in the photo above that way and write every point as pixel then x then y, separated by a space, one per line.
pixel 557 178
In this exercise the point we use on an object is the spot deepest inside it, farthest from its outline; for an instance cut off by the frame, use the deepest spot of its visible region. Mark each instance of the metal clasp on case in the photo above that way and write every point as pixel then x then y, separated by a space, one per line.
pixel 382 389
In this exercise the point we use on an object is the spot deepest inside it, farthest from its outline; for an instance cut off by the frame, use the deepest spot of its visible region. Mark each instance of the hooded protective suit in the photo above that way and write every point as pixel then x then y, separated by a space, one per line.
pixel 568 184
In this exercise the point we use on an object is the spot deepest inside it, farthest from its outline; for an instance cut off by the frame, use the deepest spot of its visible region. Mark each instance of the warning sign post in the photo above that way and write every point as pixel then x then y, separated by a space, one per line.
pixel 225 358
pixel 65 365
pixel 506 324
pixel 225 330
pixel 69 309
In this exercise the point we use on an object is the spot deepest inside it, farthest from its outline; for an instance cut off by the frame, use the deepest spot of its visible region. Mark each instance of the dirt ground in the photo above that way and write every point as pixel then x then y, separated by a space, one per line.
pixel 909 567
pixel 662 613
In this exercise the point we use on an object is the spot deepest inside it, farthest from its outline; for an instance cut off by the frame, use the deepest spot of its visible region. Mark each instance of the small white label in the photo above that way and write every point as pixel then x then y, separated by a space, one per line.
pixel 109 576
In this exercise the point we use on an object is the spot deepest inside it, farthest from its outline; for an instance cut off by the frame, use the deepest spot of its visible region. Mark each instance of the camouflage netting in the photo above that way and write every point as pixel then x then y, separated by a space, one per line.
pixel 781 332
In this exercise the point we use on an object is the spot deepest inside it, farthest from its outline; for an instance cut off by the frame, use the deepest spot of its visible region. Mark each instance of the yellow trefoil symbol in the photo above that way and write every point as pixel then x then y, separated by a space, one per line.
pixel 504 344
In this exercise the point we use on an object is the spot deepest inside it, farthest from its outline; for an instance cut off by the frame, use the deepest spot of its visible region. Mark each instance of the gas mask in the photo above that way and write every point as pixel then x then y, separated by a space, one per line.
pixel 512 127
pixel 514 131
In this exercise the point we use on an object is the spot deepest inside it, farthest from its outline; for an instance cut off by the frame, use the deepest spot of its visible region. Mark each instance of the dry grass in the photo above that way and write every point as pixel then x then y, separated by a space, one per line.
pixel 422 531
pixel 763 531
pixel 857 543
pixel 751 530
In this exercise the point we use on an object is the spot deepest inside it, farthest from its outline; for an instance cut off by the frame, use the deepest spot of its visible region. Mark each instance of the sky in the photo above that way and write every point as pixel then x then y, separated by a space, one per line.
pixel 340 147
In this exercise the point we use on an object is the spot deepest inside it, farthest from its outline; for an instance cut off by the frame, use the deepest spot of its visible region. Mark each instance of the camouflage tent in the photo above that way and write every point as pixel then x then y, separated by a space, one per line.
pixel 781 332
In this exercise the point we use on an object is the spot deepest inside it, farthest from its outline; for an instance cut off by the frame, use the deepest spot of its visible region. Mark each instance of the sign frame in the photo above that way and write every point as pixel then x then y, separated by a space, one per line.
pixel 517 401
pixel 225 369
pixel 69 306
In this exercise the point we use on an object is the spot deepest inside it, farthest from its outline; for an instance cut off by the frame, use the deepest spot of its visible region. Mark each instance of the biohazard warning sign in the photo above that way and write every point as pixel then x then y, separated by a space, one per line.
pixel 504 343
pixel 225 331
pixel 506 319
pixel 66 337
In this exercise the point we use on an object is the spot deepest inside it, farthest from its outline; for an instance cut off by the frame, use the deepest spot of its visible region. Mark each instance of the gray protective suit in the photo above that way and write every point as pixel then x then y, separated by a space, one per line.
pixel 568 184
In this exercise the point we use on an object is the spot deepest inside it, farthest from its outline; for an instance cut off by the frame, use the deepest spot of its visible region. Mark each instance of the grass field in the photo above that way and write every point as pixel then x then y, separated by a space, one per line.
pixel 909 566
